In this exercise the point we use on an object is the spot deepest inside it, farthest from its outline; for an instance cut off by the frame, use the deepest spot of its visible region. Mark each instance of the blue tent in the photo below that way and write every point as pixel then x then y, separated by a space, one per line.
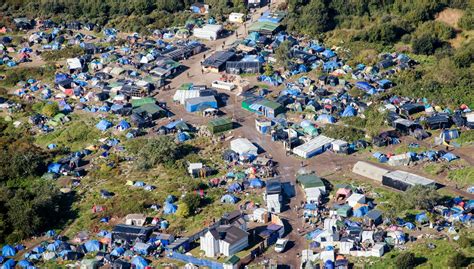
pixel 361 211
pixel 24 264
pixel 54 168
pixel 410 225
pixel 169 208
pixel 256 183
pixel 52 247
pixel 139 262
pixel 181 136
pixel 103 125
pixel 92 246
pixel 349 112
pixel 326 118
pixel 10 264
pixel 380 157
pixel 8 251
pixel 422 217
pixel 170 199
pixel 328 53
pixel 139 184
pixel 123 125
pixel 449 157
pixel 229 199
pixel 119 251
pixel 234 187
pixel 328 264
pixel 365 86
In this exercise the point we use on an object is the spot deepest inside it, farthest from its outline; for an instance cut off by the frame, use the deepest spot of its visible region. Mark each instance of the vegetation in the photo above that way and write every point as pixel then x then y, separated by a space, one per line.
pixel 153 151
pixel 28 204
pixel 457 260
pixel 13 76
pixel 282 54
pixel 50 109
pixel 416 198
pixel 405 260
pixel 462 176
pixel 68 52
pixel 342 132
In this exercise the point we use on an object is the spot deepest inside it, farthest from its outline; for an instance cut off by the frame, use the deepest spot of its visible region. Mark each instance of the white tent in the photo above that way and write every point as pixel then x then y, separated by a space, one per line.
pixel 355 198
pixel 74 63
pixel 369 171
pixel 243 146
pixel 398 160
pixel 315 146
pixel 208 31
pixel 183 95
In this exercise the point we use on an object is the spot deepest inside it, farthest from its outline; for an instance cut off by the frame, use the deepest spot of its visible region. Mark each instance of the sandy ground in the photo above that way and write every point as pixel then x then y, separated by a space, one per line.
pixel 450 16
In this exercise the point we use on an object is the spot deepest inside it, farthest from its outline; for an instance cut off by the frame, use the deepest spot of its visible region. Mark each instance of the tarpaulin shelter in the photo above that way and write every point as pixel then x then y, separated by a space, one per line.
pixel 380 157
pixel 92 246
pixel 234 187
pixel 139 262
pixel 325 118
pixel 229 199
pixel 349 111
pixel 118 251
pixel 38 249
pixel 360 210
pixel 449 157
pixel 10 264
pixel 256 183
pixel 8 251
pixel 103 125
pixel 169 208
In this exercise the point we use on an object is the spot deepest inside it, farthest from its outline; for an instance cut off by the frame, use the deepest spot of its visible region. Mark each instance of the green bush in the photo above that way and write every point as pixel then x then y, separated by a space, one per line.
pixel 50 109
pixel 457 260
pixel 425 44
pixel 13 76
pixel 343 132
pixel 405 260
pixel 68 52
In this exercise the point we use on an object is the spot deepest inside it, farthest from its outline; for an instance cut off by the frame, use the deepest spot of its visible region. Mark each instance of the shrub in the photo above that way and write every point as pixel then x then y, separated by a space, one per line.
pixel 405 261
pixel 458 260
pixel 425 44
pixel 50 109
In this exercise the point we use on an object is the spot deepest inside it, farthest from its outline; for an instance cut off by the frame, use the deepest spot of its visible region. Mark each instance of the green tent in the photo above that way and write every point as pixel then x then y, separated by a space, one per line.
pixel 220 125
pixel 344 211
pixel 310 181
pixel 142 101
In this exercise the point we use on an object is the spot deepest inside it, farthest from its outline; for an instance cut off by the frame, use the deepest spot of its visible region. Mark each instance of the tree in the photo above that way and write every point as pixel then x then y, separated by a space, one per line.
pixel 23 158
pixel 192 200
pixel 458 260
pixel 282 54
pixel 159 150
pixel 50 109
pixel 268 70
pixel 405 260
pixel 183 210
pixel 421 197
pixel 425 44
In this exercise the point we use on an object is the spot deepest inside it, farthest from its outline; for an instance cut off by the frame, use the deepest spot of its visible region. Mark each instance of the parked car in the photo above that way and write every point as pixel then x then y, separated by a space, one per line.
pixel 281 245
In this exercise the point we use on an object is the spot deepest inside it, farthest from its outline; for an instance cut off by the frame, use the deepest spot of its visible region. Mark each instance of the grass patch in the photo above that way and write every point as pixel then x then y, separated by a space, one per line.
pixel 434 168
pixel 68 52
pixel 426 258
pixel 15 75
pixel 73 135
pixel 463 176
pixel 466 137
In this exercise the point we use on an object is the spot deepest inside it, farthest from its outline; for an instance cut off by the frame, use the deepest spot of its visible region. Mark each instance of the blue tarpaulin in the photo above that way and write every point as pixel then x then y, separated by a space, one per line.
pixel 169 208
pixel 92 246
pixel 229 199
pixel 103 125
pixel 349 112
pixel 256 183
pixel 8 251
pixel 449 157
pixel 139 262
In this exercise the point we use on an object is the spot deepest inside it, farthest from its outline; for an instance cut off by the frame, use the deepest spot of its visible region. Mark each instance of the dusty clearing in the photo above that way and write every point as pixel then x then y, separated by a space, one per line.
pixel 450 16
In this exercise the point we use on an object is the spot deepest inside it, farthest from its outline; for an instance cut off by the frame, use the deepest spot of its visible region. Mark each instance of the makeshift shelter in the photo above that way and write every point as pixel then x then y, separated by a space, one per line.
pixel 92 246
pixel 313 147
pixel 200 103
pixel 402 180
pixel 208 31
pixel 325 118
pixel 139 262
pixel 374 217
pixel 264 27
pixel 243 146
pixel 103 125
pixel 399 160
pixel 8 251
pixel 369 170
pixel 169 208
pixel 217 61
pixel 219 125
pixel 229 199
